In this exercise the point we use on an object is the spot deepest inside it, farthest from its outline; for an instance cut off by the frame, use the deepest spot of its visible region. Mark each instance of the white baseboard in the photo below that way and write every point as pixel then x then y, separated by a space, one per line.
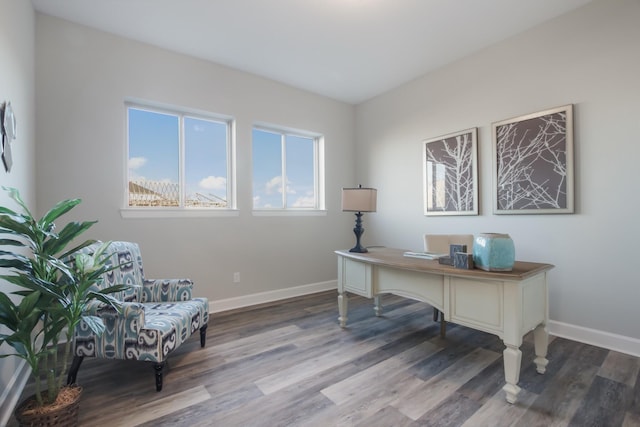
pixel 602 339
pixel 270 296
pixel 9 398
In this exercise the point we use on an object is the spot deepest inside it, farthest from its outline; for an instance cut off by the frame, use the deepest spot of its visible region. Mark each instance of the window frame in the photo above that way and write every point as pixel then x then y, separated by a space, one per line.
pixel 181 211
pixel 318 174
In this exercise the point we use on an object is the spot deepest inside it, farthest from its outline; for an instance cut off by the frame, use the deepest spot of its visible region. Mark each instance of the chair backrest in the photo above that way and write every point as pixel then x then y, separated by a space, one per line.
pixel 439 243
pixel 127 256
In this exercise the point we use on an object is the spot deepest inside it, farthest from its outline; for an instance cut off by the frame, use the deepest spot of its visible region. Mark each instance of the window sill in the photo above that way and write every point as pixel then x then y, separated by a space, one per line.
pixel 288 212
pixel 177 213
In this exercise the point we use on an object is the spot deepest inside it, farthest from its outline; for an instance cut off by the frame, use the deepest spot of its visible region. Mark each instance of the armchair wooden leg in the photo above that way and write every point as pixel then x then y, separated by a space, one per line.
pixel 436 312
pixel 73 370
pixel 203 335
pixel 159 367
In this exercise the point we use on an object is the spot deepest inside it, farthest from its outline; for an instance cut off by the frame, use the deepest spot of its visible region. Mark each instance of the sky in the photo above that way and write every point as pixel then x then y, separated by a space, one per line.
pixel 267 170
pixel 154 155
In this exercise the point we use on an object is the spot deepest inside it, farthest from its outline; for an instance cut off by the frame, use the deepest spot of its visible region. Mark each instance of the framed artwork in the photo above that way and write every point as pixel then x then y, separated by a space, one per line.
pixel 8 131
pixel 533 163
pixel 451 174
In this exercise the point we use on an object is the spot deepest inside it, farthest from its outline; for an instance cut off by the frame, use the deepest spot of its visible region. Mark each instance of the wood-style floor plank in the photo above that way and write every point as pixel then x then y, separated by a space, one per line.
pixel 289 363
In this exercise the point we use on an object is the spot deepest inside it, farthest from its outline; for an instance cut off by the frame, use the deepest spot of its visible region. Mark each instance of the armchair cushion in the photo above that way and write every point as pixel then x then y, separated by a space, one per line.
pixel 166 290
pixel 156 317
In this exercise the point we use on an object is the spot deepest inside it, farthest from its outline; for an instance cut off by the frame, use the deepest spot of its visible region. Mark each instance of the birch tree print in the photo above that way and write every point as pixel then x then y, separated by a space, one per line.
pixel 532 163
pixel 450 174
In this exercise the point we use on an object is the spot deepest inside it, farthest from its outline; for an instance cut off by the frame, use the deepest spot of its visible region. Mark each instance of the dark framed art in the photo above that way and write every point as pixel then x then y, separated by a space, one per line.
pixel 450 164
pixel 533 163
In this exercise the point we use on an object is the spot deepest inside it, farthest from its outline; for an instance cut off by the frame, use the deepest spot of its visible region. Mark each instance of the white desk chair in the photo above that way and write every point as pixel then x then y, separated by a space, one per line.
pixel 439 243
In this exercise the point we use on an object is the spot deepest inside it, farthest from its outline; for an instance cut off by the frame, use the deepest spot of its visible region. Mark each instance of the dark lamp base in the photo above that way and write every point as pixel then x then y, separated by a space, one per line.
pixel 358 230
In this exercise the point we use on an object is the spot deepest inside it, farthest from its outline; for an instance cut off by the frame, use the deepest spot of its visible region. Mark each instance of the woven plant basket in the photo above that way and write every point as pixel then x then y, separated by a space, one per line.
pixel 63 413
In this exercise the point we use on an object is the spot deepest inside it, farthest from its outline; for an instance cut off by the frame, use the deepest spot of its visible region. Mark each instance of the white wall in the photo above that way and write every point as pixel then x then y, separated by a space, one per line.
pixel 83 78
pixel 17 85
pixel 589 58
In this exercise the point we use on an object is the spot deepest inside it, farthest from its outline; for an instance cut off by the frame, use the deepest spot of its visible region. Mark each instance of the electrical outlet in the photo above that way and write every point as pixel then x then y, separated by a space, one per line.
pixel 236 277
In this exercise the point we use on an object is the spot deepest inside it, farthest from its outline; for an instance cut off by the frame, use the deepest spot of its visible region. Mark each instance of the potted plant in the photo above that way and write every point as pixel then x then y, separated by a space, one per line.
pixel 53 286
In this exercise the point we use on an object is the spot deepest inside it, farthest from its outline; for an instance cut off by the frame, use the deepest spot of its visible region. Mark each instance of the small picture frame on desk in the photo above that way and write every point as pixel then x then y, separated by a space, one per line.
pixel 463 260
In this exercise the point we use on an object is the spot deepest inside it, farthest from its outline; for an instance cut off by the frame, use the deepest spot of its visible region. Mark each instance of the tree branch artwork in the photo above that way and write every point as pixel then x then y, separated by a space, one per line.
pixel 533 163
pixel 450 174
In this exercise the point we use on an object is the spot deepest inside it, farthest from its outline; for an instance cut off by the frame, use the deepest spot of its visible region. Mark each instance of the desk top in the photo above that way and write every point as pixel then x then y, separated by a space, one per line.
pixel 394 258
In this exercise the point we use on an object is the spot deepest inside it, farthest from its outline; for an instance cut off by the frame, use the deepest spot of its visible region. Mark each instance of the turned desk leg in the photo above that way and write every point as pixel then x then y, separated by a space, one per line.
pixel 512 360
pixel 541 342
pixel 343 303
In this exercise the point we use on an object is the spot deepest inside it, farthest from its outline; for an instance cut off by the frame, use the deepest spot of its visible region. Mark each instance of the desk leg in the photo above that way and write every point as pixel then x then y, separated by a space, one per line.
pixel 377 305
pixel 512 360
pixel 343 304
pixel 541 342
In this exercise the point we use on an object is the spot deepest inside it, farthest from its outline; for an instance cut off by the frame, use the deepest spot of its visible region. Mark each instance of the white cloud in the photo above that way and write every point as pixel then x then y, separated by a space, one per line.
pixel 275 183
pixel 213 183
pixel 137 162
pixel 304 202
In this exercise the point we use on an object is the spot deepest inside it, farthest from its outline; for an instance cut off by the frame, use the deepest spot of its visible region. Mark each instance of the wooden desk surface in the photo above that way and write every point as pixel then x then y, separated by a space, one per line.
pixel 394 258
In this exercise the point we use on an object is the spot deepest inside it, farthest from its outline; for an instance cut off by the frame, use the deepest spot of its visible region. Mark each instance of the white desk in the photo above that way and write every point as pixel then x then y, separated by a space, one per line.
pixel 506 304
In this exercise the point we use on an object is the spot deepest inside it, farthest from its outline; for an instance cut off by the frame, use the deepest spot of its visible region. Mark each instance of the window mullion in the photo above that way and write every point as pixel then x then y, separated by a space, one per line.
pixel 283 149
pixel 181 167
pixel 316 176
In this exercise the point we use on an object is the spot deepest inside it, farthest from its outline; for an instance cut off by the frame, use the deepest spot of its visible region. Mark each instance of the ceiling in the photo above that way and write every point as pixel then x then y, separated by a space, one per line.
pixel 349 50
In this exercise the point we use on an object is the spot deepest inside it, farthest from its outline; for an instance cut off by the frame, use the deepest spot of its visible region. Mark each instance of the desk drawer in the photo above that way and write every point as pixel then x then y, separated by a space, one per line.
pixel 477 303
pixel 354 277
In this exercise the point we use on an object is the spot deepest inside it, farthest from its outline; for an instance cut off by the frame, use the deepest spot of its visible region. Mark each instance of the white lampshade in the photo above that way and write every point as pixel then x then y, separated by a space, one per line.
pixel 359 199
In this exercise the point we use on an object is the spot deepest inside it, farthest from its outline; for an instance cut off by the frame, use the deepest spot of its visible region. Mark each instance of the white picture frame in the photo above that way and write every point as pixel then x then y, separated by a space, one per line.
pixel 450 171
pixel 533 163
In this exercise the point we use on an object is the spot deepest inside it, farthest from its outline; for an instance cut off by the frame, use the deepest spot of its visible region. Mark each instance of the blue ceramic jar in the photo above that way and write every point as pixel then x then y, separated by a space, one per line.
pixel 494 252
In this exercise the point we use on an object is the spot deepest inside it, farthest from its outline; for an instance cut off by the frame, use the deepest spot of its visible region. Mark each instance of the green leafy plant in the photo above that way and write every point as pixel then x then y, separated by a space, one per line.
pixel 53 286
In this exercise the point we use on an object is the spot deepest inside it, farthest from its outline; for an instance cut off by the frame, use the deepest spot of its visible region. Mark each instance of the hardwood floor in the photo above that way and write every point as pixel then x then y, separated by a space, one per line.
pixel 290 364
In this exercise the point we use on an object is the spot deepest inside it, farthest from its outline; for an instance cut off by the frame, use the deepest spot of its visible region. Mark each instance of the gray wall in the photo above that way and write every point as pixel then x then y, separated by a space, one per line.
pixel 589 58
pixel 82 80
pixel 17 85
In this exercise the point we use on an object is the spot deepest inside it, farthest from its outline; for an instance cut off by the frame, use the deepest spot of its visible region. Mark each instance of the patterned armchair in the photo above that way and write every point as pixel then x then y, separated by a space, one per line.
pixel 156 317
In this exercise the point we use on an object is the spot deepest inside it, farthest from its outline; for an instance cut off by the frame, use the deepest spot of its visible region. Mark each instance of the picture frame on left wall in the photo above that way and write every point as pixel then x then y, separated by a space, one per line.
pixel 8 131
pixel 450 165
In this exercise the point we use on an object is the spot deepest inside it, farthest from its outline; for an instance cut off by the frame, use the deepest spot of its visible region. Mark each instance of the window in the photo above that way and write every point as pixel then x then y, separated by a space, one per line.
pixel 287 170
pixel 177 159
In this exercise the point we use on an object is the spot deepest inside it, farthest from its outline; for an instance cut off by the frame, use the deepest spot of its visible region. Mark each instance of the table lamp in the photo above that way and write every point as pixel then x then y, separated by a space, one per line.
pixel 359 200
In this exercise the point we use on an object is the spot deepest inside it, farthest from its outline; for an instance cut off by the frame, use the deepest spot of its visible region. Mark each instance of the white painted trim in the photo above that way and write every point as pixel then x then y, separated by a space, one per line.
pixel 595 337
pixel 10 397
pixel 289 212
pixel 137 213
pixel 270 296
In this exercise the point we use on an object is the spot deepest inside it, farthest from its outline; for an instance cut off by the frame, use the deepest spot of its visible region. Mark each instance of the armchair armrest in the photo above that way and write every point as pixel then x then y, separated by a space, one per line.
pixel 121 333
pixel 131 314
pixel 166 290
